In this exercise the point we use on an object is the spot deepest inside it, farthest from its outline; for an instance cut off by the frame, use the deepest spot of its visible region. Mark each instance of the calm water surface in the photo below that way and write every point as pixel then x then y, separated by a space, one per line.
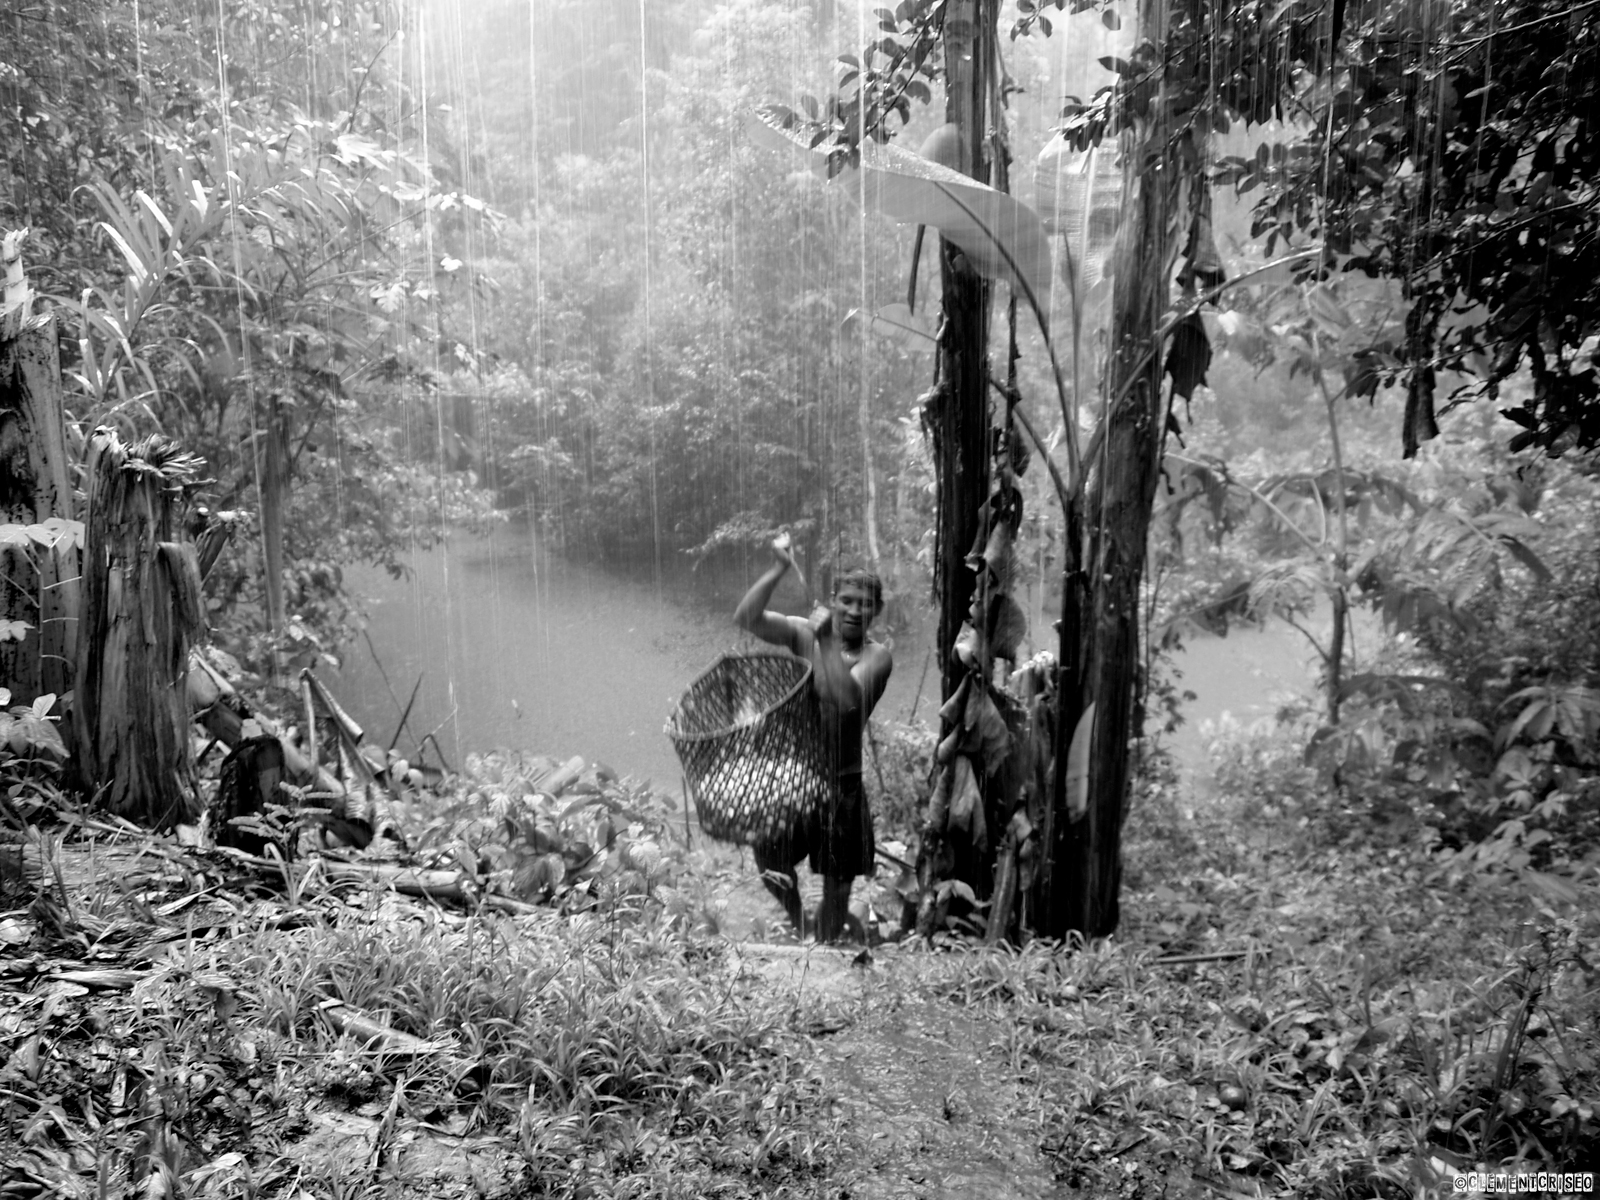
pixel 522 649
pixel 518 648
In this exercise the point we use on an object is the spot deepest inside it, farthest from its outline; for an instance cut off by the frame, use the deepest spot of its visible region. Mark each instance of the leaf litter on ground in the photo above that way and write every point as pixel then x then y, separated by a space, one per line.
pixel 1279 1016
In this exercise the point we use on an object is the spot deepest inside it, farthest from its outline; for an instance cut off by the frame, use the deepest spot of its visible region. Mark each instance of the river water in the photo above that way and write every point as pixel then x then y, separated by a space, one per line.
pixel 519 648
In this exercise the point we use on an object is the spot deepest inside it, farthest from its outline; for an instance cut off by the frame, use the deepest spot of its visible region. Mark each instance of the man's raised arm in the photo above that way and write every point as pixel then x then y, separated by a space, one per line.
pixel 753 615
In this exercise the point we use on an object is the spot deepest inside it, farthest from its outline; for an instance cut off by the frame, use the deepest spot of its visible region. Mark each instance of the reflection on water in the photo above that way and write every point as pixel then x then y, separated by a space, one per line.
pixel 520 649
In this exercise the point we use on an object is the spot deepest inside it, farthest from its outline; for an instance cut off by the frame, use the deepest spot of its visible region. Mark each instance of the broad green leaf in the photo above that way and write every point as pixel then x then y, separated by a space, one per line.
pixel 1330 315
pixel 155 211
pixel 1188 356
pixel 1078 194
pixel 63 532
pixel 136 266
pixel 1552 886
pixel 1524 554
pixel 1534 722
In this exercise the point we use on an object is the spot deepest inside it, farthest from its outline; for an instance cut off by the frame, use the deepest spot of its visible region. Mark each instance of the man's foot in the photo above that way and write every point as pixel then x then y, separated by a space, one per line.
pixel 834 918
pixel 784 887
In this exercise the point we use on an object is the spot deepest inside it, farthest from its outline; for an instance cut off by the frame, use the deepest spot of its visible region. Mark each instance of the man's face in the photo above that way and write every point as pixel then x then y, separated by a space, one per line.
pixel 852 611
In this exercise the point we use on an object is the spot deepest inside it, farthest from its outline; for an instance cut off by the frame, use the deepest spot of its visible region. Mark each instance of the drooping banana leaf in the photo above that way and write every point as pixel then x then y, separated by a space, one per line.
pixel 1079 195
pixel 1002 237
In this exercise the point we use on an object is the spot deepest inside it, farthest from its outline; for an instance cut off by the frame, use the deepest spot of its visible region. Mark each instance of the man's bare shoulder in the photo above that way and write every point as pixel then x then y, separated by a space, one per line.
pixel 802 637
pixel 777 629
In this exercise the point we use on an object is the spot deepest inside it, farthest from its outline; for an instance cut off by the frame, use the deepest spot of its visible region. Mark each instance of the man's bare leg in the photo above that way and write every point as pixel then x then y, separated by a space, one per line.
pixel 835 910
pixel 780 879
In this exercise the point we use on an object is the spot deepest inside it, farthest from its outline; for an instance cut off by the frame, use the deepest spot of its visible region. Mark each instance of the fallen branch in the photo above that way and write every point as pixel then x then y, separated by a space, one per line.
pixel 105 977
pixel 408 881
pixel 893 859
pixel 507 904
pixel 375 1035
pixel 1179 960
pixel 455 886
pixel 561 778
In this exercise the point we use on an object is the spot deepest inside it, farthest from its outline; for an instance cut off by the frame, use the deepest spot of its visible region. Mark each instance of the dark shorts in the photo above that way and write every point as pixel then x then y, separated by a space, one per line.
pixel 837 841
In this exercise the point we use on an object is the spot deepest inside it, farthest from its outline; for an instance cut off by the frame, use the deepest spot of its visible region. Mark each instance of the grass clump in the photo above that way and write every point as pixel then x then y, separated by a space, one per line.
pixel 622 1057
pixel 599 1048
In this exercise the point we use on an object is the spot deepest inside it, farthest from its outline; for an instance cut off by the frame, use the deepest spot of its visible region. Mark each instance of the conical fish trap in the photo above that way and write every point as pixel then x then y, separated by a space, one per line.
pixel 749 736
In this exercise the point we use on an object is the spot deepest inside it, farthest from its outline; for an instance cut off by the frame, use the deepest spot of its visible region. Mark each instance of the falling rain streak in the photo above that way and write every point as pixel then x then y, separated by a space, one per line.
pixel 670 345
pixel 549 279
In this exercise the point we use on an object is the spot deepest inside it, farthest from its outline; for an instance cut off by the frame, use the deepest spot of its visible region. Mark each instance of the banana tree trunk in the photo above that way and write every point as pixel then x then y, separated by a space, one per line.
pixel 1102 608
pixel 961 424
pixel 142 609
pixel 957 414
pixel 38 585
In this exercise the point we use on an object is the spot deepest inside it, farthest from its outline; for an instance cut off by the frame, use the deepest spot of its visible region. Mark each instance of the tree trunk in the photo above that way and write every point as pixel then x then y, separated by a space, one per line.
pixel 273 486
pixel 869 483
pixel 1087 871
pixel 955 836
pixel 1052 902
pixel 1338 581
pixel 142 608
pixel 38 586
pixel 961 428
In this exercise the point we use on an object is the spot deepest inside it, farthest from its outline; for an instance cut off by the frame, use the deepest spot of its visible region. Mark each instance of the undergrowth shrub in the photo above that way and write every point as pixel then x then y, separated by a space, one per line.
pixel 621 1053
pixel 900 760
pixel 1158 833
pixel 1299 1075
pixel 1293 1006
pixel 1260 767
pixel 1531 627
pixel 1487 722
pixel 601 837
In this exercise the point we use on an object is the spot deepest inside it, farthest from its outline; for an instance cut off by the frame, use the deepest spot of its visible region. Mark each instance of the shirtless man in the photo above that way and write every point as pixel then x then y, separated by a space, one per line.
pixel 849 674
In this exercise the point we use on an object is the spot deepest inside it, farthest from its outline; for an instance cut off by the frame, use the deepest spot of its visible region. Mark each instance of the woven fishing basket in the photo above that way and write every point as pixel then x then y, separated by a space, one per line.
pixel 749 736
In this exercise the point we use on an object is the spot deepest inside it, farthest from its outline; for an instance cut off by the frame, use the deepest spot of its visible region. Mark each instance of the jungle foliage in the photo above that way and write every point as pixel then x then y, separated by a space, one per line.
pixel 244 260
pixel 359 282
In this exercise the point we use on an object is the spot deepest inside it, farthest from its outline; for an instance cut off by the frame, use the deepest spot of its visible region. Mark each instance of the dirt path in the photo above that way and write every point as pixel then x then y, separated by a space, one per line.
pixel 929 1089
pixel 926 1088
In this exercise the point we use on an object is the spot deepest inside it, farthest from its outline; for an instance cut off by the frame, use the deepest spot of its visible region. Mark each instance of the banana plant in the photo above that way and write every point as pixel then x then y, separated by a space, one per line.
pixel 157 245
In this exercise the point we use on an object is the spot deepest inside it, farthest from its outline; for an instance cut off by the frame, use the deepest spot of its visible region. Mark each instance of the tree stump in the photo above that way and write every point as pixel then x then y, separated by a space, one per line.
pixel 141 610
pixel 248 783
